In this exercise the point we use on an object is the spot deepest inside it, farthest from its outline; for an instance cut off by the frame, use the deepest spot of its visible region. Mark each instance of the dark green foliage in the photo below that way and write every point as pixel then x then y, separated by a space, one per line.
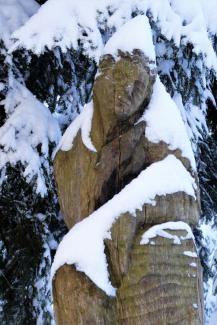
pixel 61 80
pixel 207 167
pixel 30 225
pixel 3 81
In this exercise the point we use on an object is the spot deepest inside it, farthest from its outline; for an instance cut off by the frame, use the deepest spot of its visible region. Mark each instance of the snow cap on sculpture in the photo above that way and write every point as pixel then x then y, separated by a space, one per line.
pixel 126 75
pixel 137 32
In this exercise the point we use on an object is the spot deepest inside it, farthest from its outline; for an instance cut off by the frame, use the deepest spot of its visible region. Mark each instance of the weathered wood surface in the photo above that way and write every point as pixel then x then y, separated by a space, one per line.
pixel 155 283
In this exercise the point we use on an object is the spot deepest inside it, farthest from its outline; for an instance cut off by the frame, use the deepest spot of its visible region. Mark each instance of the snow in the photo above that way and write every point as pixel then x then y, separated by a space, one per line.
pixel 13 14
pixel 138 33
pixel 165 123
pixel 193 264
pixel 194 118
pixel 30 125
pixel 194 28
pixel 209 11
pixel 159 230
pixel 83 245
pixel 81 122
pixel 72 20
pixel 190 254
pixel 62 23
pixel 213 318
pixel 209 240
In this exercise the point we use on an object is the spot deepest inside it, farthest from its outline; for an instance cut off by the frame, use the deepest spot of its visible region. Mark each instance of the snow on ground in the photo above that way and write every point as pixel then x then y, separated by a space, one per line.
pixel 164 122
pixel 138 33
pixel 83 123
pixel 29 126
pixel 159 230
pixel 83 20
pixel 83 245
pixel 13 14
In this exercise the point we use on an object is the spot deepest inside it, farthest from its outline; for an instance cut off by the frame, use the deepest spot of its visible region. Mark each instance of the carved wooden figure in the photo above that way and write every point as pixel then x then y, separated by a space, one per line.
pixel 156 284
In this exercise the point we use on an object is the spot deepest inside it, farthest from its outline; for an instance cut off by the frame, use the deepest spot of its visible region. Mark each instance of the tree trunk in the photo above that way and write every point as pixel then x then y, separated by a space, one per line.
pixel 156 283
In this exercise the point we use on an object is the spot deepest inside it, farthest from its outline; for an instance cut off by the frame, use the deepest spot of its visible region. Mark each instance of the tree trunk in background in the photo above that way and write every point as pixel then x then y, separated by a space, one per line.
pixel 156 284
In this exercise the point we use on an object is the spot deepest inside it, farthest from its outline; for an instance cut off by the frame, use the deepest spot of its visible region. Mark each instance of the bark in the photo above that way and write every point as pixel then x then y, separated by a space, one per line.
pixel 155 283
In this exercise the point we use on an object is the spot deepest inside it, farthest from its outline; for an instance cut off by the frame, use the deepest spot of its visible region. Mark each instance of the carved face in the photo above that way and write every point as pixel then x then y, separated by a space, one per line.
pixel 132 87
pixel 120 92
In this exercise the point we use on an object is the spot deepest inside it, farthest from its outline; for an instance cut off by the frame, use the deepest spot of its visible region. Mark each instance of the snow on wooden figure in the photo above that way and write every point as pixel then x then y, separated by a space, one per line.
pixel 160 230
pixel 83 246
pixel 136 183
